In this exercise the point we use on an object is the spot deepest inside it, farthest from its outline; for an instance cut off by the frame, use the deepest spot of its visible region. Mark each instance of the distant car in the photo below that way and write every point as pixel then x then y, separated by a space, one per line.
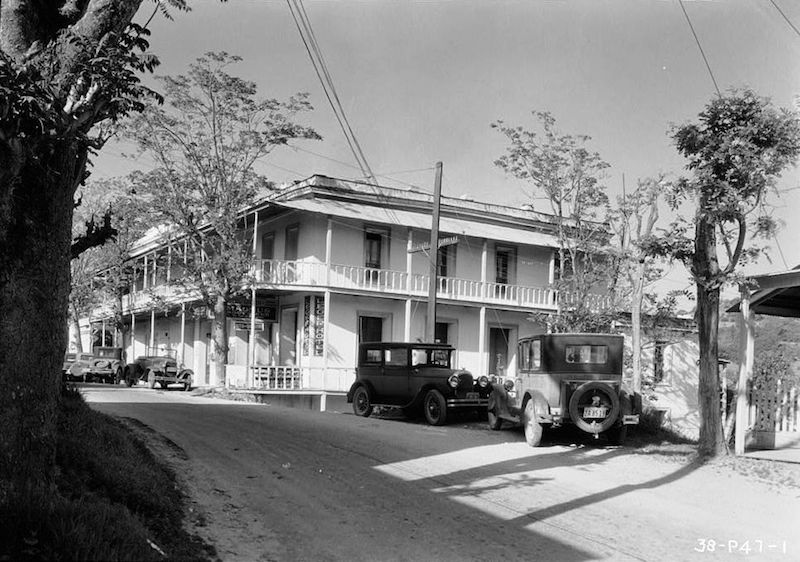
pixel 414 375
pixel 158 366
pixel 75 367
pixel 107 365
pixel 565 378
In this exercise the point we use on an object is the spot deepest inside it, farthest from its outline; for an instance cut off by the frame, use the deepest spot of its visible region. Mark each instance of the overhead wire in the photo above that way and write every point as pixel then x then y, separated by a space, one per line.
pixel 699 46
pixel 785 17
pixel 314 51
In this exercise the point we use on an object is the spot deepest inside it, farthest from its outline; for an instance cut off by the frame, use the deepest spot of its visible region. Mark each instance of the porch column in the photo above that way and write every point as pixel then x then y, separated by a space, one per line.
pixel 409 272
pixel 328 253
pixel 133 337
pixel 484 268
pixel 251 342
pixel 326 325
pixel 745 371
pixel 152 329
pixel 196 349
pixel 145 283
pixel 482 341
pixel 182 358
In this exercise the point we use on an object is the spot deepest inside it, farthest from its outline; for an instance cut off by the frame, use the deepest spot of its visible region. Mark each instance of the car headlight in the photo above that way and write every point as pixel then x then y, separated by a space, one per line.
pixel 483 381
pixel 452 380
pixel 508 385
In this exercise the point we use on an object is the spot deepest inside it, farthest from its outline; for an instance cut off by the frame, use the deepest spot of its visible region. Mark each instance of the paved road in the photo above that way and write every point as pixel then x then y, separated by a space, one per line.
pixel 270 483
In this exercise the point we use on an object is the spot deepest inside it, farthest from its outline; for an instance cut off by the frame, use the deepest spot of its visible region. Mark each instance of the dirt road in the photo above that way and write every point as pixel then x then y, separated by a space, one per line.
pixel 269 483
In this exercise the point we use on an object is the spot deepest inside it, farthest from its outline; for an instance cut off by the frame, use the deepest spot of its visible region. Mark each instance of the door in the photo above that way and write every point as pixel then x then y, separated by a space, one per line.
pixel 288 337
pixel 370 328
pixel 498 351
pixel 395 375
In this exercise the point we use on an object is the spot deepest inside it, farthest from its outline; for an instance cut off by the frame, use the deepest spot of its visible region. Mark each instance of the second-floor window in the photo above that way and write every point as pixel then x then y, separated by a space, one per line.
pixel 268 246
pixel 447 261
pixel 505 265
pixel 373 248
pixel 290 246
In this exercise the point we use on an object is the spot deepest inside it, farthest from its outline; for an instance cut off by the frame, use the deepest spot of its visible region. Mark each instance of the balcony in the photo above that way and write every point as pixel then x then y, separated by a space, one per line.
pixel 306 275
pixel 294 274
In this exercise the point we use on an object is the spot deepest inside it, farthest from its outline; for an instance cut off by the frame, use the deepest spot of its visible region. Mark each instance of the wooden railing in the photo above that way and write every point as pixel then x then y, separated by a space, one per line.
pixel 277 377
pixel 289 273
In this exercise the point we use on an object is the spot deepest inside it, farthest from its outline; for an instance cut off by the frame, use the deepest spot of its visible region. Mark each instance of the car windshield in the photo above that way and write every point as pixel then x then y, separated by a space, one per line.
pixel 427 356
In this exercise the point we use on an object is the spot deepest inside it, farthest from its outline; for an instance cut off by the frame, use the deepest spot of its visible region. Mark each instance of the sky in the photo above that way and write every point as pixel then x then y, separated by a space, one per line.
pixel 422 82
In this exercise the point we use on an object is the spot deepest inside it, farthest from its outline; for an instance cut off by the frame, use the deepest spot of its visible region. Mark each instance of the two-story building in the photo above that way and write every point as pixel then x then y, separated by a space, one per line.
pixel 338 262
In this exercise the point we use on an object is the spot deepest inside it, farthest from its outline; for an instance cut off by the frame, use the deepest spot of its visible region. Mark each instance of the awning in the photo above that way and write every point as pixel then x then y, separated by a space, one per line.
pixel 778 294
pixel 447 225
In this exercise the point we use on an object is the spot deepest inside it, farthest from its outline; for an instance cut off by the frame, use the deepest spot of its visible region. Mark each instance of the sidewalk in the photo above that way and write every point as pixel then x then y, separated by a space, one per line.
pixel 787 449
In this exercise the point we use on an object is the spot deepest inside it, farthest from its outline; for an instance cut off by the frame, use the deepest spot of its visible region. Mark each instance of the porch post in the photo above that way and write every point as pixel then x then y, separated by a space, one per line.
pixel 745 372
pixel 182 359
pixel 409 272
pixel 484 267
pixel 133 336
pixel 328 251
pixel 251 343
pixel 326 325
pixel 152 329
pixel 482 341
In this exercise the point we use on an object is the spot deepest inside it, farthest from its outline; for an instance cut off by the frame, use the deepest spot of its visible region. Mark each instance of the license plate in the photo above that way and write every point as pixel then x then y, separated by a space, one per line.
pixel 595 412
pixel 473 395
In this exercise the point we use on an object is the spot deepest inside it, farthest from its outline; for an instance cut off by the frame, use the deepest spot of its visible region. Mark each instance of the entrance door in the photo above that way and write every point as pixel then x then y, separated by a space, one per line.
pixel 288 335
pixel 370 329
pixel 498 350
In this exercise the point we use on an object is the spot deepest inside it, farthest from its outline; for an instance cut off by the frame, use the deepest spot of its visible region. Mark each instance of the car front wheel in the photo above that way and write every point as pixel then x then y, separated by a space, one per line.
pixel 533 429
pixel 435 408
pixel 187 384
pixel 362 405
pixel 495 421
pixel 151 379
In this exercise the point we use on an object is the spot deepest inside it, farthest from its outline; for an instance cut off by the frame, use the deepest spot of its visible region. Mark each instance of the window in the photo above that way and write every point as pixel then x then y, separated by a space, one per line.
pixel 447 261
pixel 440 332
pixel 658 361
pixel 396 357
pixel 290 246
pixel 373 356
pixel 505 265
pixel 589 354
pixel 530 355
pixel 373 246
pixel 268 246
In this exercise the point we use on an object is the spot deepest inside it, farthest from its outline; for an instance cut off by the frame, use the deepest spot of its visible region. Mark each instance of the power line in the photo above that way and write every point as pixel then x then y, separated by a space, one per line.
pixel 314 51
pixel 699 46
pixel 788 21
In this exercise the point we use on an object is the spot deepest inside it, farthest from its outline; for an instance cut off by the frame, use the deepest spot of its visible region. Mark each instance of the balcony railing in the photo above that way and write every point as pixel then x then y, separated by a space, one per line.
pixel 294 274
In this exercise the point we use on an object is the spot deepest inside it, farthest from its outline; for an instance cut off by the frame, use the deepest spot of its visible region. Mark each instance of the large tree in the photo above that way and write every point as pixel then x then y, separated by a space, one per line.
pixel 206 142
pixel 65 67
pixel 736 152
pixel 569 177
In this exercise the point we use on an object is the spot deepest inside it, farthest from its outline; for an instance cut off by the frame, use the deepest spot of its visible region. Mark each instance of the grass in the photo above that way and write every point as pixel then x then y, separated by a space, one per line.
pixel 112 499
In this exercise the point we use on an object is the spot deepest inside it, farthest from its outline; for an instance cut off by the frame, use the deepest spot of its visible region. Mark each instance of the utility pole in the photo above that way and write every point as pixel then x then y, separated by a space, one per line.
pixel 430 328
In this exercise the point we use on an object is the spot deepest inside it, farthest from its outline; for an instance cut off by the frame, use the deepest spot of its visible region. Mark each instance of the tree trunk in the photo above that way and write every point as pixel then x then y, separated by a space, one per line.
pixel 35 238
pixel 706 271
pixel 221 338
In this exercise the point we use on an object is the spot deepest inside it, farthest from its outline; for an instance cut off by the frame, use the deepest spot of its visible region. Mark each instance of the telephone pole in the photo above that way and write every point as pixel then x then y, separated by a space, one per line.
pixel 430 328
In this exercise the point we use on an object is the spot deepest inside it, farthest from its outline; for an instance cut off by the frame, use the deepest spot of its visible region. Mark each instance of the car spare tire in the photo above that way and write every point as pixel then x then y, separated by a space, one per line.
pixel 594 407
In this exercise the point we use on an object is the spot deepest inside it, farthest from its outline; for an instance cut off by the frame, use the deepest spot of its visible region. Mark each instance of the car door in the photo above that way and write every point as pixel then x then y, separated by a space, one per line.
pixel 395 375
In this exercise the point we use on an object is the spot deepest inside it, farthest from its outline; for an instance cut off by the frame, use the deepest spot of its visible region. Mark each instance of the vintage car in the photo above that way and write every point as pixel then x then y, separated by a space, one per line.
pixel 414 375
pixel 565 379
pixel 106 365
pixel 158 366
pixel 75 367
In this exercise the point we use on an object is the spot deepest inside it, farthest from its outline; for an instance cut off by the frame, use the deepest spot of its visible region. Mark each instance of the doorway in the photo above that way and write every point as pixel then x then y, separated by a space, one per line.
pixel 287 354
pixel 498 350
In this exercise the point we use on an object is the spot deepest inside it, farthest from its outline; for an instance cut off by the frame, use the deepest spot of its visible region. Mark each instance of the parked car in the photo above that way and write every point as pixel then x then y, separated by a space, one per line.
pixel 158 366
pixel 565 379
pixel 414 375
pixel 75 367
pixel 107 364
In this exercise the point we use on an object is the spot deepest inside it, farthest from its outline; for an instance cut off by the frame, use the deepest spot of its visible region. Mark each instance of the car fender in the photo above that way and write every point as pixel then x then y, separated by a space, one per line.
pixel 355 385
pixel 500 401
pixel 185 373
pixel 540 406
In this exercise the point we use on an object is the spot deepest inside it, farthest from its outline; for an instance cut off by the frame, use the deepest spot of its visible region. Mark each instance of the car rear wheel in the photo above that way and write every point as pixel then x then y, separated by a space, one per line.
pixel 495 422
pixel 619 431
pixel 533 429
pixel 594 395
pixel 362 404
pixel 151 379
pixel 435 408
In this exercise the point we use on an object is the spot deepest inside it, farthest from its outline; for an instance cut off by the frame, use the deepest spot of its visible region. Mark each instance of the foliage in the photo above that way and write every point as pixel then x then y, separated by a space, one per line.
pixel 112 498
pixel 206 143
pixel 569 176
